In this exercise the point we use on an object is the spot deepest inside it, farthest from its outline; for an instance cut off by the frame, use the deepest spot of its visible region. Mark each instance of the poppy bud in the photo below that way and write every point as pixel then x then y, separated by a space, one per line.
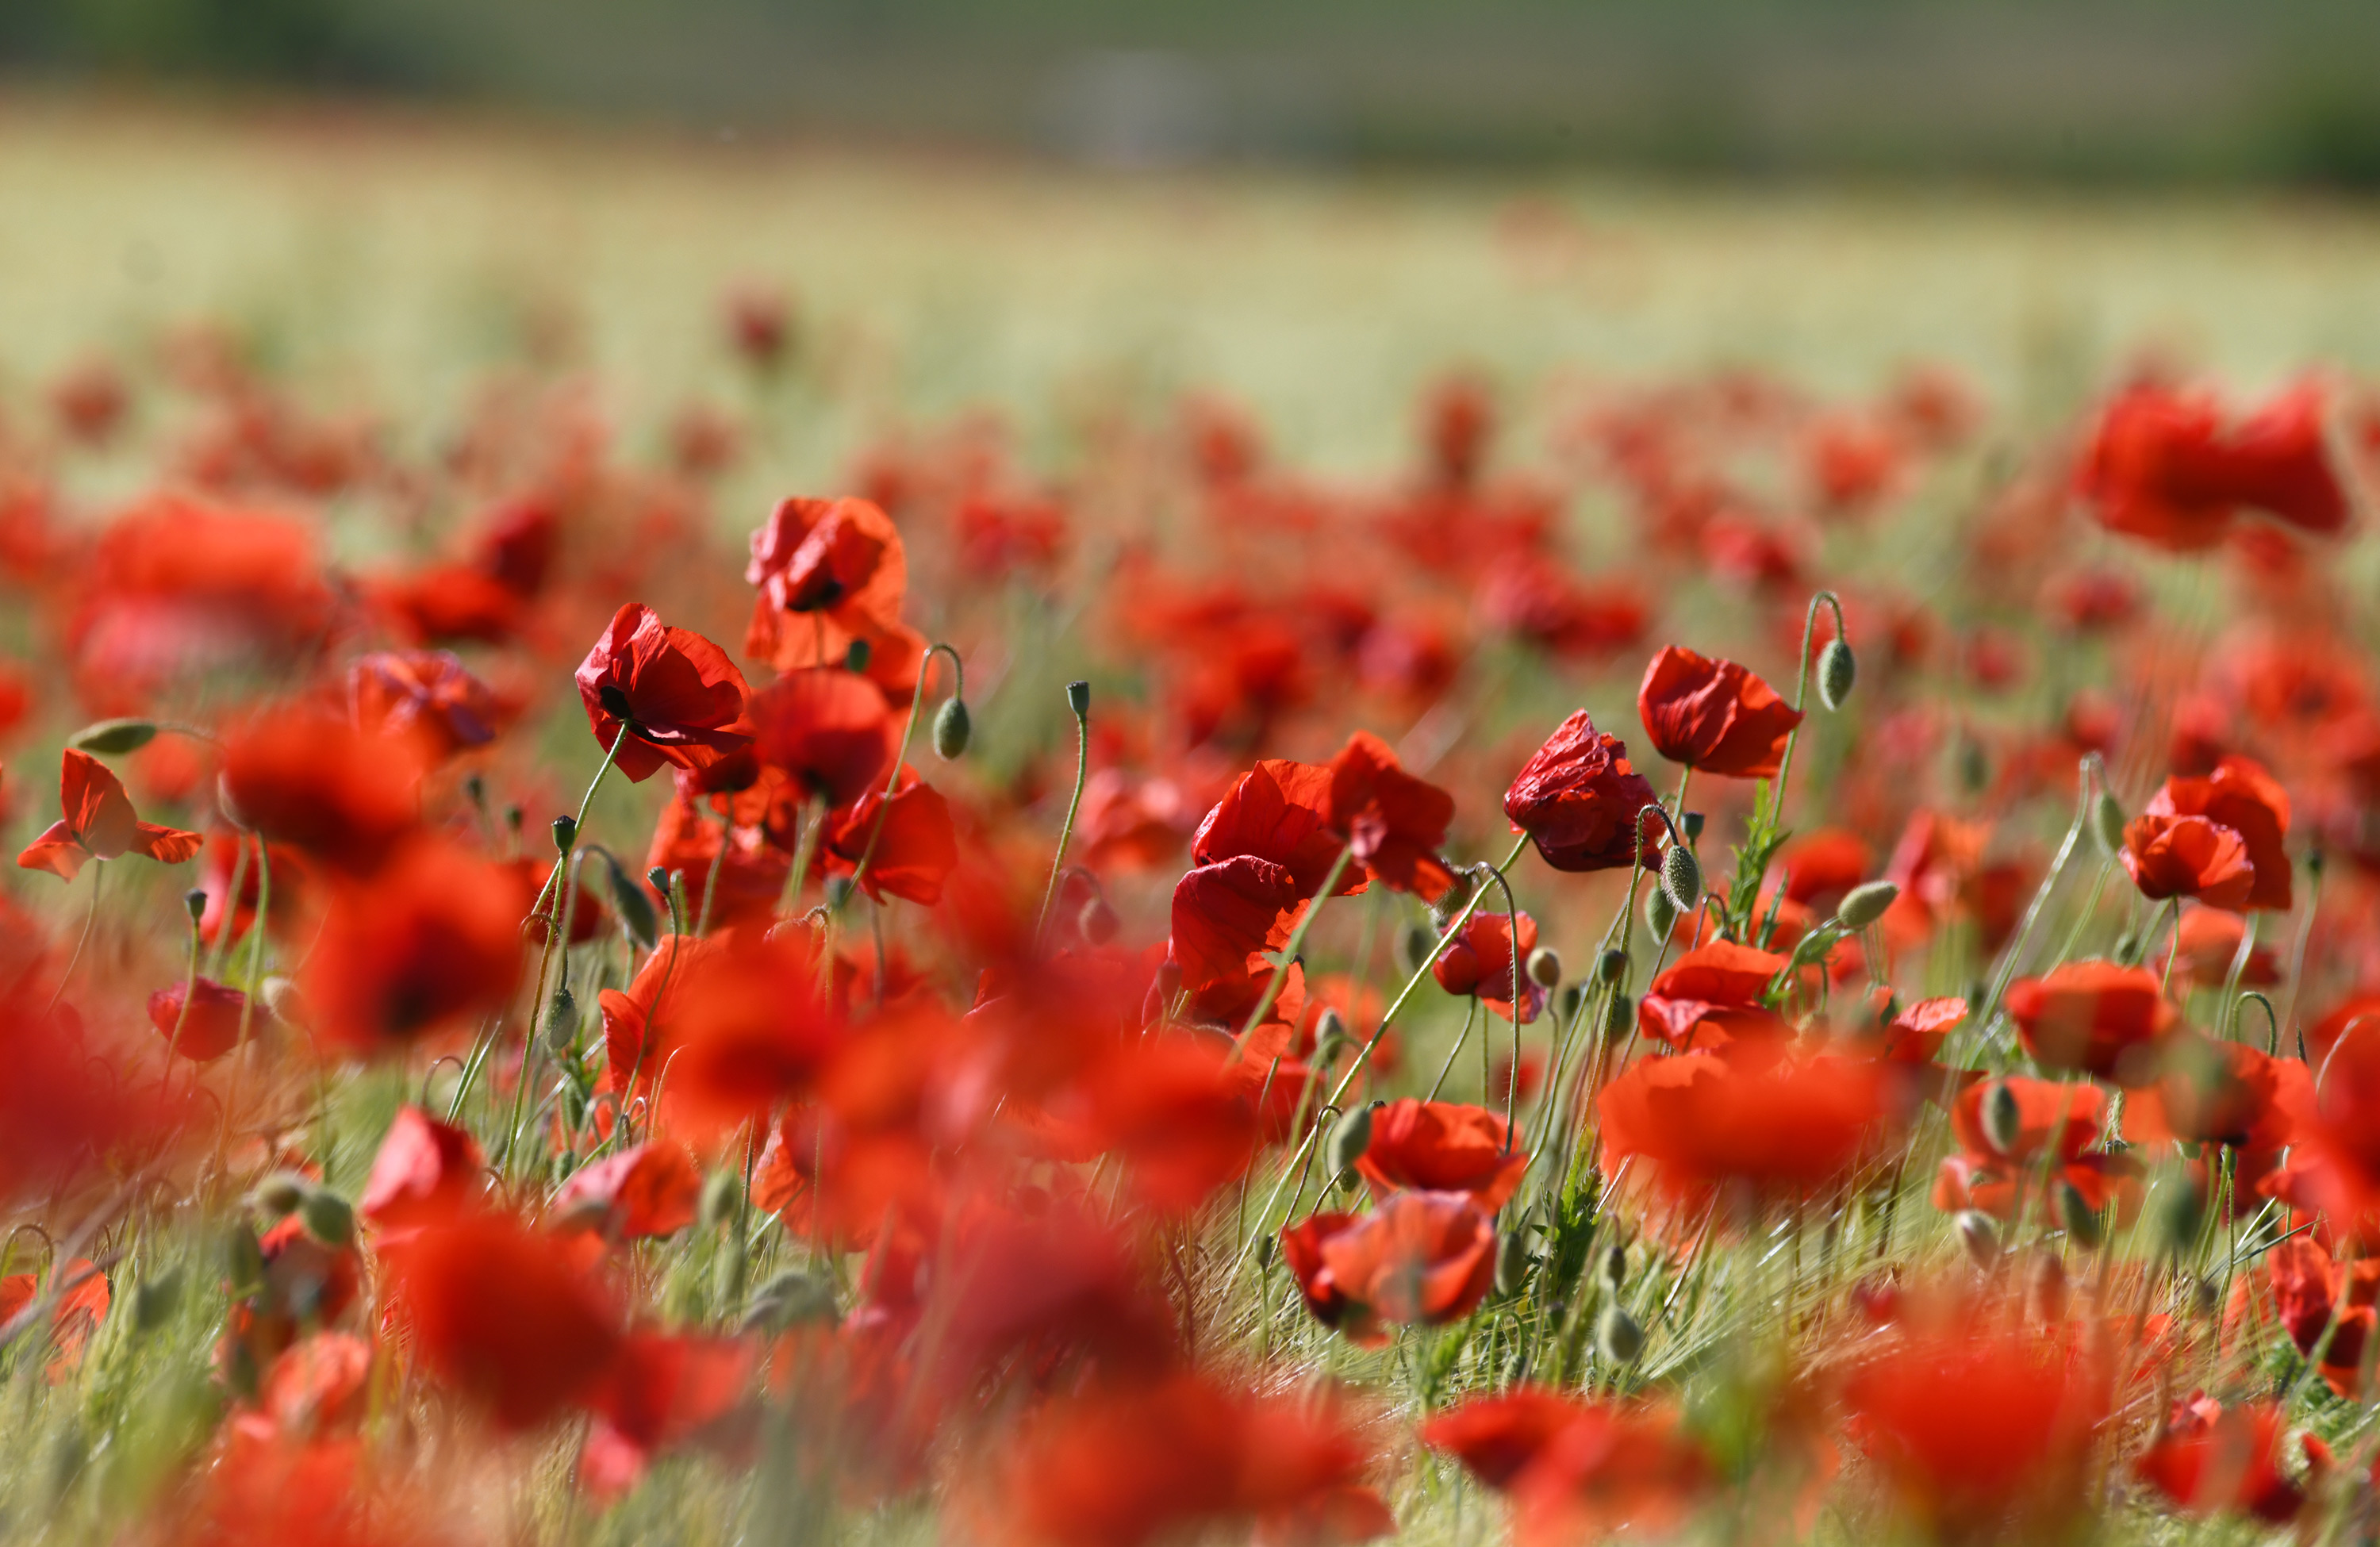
pixel 2108 824
pixel 1545 966
pixel 1264 1251
pixel 2082 1220
pixel 1618 1336
pixel 327 1217
pixel 2127 951
pixel 1838 669
pixel 2205 1297
pixel 1660 913
pixel 565 834
pixel 243 1261
pixel 1975 768
pixel 1349 1136
pixel 155 1299
pixel 1568 1001
pixel 194 903
pixel 722 1190
pixel 1980 1235
pixel 1078 699
pixel 1449 902
pixel 1864 904
pixel 1682 878
pixel 634 905
pixel 2182 1217
pixel 1098 921
pixel 475 791
pixel 1513 1262
pixel 561 1020
pixel 1612 966
pixel 2003 1117
pixel 514 818
pixel 108 738
pixel 1330 1033
pixel 1691 824
pixel 1615 1266
pixel 857 655
pixel 791 1297
pixel 952 727
pixel 1413 947
pixel 1619 1015
pixel 658 877
pixel 280 1194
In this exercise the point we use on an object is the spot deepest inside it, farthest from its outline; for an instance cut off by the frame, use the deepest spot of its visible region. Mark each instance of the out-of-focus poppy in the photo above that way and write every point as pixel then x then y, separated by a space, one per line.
pixel 653 1188
pixel 2162 465
pixel 1275 812
pixel 1444 1147
pixel 83 1304
pixel 420 948
pixel 1499 1436
pixel 1578 799
pixel 1700 1121
pixel 2050 1117
pixel 1394 823
pixel 2220 839
pixel 1822 865
pixel 1713 715
pixel 305 778
pixel 2220 1092
pixel 1480 960
pixel 828 731
pixel 2211 1459
pixel 1225 918
pixel 746 1032
pixel 588 916
pixel 209 1029
pixel 2205 942
pixel 1712 998
pixel 319 1387
pixel 505 1316
pixel 2093 1017
pixel 1419 1257
pixel 425 1170
pixel 917 850
pixel 2310 1290
pixel 100 823
pixel 734 873
pixel 307 1285
pixel 428 696
pixel 1181 1119
pixel 632 1047
pixel 662 1393
pixel 1613 1469
pixel 832 572
pixel 679 699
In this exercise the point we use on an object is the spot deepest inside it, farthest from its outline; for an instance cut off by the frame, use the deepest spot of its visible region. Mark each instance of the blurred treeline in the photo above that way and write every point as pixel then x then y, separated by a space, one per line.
pixel 2262 89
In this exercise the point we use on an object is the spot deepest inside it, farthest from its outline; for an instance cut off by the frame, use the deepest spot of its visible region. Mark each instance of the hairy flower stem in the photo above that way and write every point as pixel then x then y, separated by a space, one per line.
pixel 2013 954
pixel 893 780
pixel 1074 804
pixel 89 918
pixel 1802 696
pixel 542 904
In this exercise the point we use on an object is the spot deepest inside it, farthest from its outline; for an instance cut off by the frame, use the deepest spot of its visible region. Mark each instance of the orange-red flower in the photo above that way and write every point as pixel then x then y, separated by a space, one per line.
pixel 1786 1128
pixel 2310 1289
pixel 1444 1147
pixel 425 1170
pixel 209 1030
pixel 2210 1459
pixel 2066 1118
pixel 662 1394
pixel 2164 465
pixel 1274 812
pixel 100 823
pixel 826 730
pixel 1424 1258
pixel 302 777
pixel 2093 1017
pixel 1479 961
pixel 2206 942
pixel 916 852
pixel 2220 839
pixel 1394 823
pixel 680 698
pixel 653 1188
pixel 1225 918
pixel 425 695
pixel 1713 715
pixel 1576 1469
pixel 1578 799
pixel 1711 999
pixel 417 950
pixel 832 572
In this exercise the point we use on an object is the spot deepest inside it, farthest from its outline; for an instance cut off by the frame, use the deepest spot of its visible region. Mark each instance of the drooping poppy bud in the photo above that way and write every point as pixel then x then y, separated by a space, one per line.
pixel 1617 1335
pixel 1980 1236
pixel 1660 913
pixel 2003 1117
pixel 1611 966
pixel 1513 1262
pixel 109 739
pixel 2108 822
pixel 565 834
pixel 1682 878
pixel 1838 669
pixel 1349 1136
pixel 952 727
pixel 1078 699
pixel 1545 966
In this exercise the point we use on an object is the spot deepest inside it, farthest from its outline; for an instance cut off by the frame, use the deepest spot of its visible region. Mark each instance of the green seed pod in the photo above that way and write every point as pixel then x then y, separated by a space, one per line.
pixel 1568 1001
pixel 1617 1335
pixel 1264 1249
pixel 1619 1015
pixel 1980 1233
pixel 565 834
pixel 106 738
pixel 1864 904
pixel 1838 669
pixel 1975 768
pixel 2183 1212
pixel 280 1194
pixel 1682 878
pixel 838 892
pixel 2108 824
pixel 721 1191
pixel 1615 1266
pixel 2003 1117
pixel 1078 699
pixel 1096 922
pixel 155 1301
pixel 856 654
pixel 194 903
pixel 2082 1220
pixel 328 1217
pixel 1414 945
pixel 791 1297
pixel 243 1261
pixel 2128 950
pixel 954 728
pixel 1612 966
pixel 1545 966
pixel 284 1001
pixel 1349 1136
pixel 1513 1262
pixel 560 1021
pixel 1691 825
pixel 1660 913
pixel 634 905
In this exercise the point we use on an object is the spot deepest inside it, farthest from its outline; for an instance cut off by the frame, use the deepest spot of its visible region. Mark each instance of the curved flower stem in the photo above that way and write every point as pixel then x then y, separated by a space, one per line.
pixel 1296 939
pixel 1801 694
pixel 1066 832
pixel 908 734
pixel 1628 918
pixel 541 905
pixel 1469 1018
pixel 1512 949
pixel 98 868
pixel 805 850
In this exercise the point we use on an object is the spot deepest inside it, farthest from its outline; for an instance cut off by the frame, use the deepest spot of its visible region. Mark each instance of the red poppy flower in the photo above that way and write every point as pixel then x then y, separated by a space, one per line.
pixel 1179 1116
pixel 428 696
pixel 746 1032
pixel 1479 962
pixel 1712 998
pixel 632 1050
pixel 80 1308
pixel 426 1171
pixel 1699 1121
pixel 211 1026
pixel 2206 942
pixel 1713 715
pixel 1821 866
pixel 1444 1147
pixel 662 1394
pixel 588 916
pixel 832 572
pixel 1275 812
pixel 303 778
pixel 100 823
pixel 1424 1257
pixel 645 1190
pixel 1613 1470
pixel 2220 839
pixel 2210 1459
pixel 1225 918
pixel 1393 822
pixel 744 885
pixel 828 730
pixel 2220 1092
pixel 916 851
pixel 320 1387
pixel 505 1316
pixel 1578 799
pixel 681 698
pixel 2093 1017
pixel 1498 1437
pixel 420 949
pixel 2049 1113
pixel 1982 1175
pixel 2164 465
pixel 307 1285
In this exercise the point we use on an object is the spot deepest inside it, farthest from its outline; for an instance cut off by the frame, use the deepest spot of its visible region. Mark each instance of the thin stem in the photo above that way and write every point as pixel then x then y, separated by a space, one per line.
pixel 1066 832
pixel 1296 939
pixel 1802 695
pixel 231 902
pixel 580 819
pixel 1469 1018
pixel 98 866
pixel 805 850
pixel 893 780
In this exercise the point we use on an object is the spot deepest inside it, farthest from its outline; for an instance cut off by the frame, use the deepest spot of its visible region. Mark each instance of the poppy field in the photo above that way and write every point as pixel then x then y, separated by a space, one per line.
pixel 1687 954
